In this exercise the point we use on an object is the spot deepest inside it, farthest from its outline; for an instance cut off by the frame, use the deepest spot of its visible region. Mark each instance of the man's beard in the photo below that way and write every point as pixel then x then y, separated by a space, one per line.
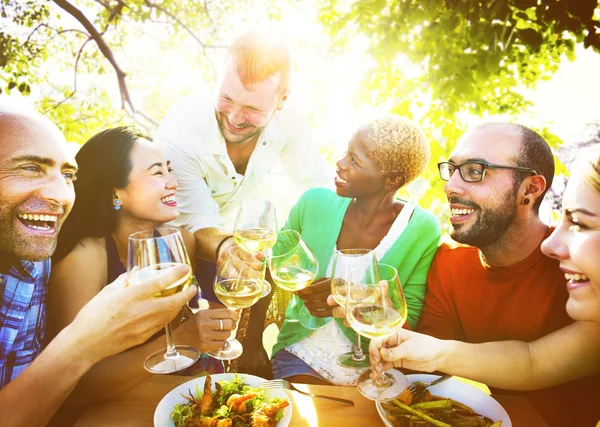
pixel 22 246
pixel 490 225
pixel 221 121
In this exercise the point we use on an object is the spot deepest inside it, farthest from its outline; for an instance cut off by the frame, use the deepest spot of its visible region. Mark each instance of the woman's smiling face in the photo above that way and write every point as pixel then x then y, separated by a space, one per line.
pixel 357 173
pixel 576 244
pixel 150 193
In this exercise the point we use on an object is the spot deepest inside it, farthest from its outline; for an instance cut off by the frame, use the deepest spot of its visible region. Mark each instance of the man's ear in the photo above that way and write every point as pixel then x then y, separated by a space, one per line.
pixel 394 181
pixel 534 186
pixel 282 98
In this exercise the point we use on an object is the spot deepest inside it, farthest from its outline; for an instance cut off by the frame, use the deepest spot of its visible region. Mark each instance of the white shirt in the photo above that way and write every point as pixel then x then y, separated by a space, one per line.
pixel 208 185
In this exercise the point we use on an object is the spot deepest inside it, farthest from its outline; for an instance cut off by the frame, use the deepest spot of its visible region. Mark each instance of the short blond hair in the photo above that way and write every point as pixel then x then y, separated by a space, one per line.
pixel 260 54
pixel 396 144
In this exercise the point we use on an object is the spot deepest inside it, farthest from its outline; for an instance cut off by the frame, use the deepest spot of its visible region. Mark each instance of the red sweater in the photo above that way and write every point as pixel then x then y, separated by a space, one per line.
pixel 470 301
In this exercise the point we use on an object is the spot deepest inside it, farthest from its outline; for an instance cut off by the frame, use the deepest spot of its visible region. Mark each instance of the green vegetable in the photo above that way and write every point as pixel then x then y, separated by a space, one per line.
pixel 181 413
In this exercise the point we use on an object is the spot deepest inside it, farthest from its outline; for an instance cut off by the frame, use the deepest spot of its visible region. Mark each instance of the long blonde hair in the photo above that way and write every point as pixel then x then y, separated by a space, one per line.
pixel 592 169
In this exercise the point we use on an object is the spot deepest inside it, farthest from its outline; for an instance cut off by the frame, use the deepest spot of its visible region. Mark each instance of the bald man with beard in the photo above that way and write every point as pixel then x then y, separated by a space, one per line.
pixel 36 195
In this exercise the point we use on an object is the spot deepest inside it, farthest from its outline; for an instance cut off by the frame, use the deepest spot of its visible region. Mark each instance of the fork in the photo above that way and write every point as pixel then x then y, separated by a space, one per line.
pixel 419 387
pixel 286 384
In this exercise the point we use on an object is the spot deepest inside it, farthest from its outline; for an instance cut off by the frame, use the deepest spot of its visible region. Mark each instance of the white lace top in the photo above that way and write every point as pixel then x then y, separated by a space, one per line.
pixel 321 348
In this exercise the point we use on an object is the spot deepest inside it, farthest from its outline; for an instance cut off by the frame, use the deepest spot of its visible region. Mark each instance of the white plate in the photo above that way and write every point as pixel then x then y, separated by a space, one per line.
pixel 462 392
pixel 163 411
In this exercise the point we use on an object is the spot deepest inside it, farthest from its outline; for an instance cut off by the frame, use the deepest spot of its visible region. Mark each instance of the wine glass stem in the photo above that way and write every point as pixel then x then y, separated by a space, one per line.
pixel 358 353
pixel 171 351
pixel 233 333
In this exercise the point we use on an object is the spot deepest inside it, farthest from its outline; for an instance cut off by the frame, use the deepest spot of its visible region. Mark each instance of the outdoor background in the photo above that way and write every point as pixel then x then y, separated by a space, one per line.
pixel 94 64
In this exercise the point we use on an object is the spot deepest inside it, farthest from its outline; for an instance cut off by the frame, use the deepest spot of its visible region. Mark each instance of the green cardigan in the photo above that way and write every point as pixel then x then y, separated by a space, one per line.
pixel 318 217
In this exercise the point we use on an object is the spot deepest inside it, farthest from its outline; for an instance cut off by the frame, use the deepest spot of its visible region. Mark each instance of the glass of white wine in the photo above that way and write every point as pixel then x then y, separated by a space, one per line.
pixel 376 316
pixel 255 229
pixel 346 262
pixel 149 253
pixel 238 284
pixel 293 267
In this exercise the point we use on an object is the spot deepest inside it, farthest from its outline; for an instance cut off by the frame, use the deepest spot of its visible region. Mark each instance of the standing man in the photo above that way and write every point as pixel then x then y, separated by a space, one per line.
pixel 36 195
pixel 222 145
pixel 497 287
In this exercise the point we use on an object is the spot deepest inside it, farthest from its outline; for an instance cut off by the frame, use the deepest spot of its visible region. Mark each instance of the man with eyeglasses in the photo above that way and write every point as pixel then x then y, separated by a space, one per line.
pixel 496 284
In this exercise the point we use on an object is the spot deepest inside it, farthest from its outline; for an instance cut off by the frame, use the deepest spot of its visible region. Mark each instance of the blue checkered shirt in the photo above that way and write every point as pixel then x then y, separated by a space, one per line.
pixel 22 316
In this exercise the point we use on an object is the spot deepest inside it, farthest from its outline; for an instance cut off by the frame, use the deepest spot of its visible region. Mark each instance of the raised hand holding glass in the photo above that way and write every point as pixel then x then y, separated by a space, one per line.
pixel 149 253
pixel 372 314
pixel 255 229
pixel 238 284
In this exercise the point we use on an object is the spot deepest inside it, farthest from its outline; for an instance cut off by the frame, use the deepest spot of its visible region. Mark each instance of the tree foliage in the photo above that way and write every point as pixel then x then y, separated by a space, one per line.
pixel 42 41
pixel 434 60
pixel 440 59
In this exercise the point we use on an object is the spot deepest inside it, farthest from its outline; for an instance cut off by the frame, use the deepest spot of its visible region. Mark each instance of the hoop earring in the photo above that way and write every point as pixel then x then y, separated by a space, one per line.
pixel 117 205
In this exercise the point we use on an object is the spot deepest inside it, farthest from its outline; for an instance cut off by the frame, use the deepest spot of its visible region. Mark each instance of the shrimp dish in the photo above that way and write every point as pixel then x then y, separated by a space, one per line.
pixel 230 404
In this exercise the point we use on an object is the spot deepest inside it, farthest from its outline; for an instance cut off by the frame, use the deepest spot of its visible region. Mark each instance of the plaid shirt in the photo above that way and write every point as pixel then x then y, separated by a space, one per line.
pixel 22 316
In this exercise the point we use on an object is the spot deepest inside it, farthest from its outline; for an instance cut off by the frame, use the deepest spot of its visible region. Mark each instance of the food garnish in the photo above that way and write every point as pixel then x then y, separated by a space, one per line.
pixel 232 404
pixel 427 410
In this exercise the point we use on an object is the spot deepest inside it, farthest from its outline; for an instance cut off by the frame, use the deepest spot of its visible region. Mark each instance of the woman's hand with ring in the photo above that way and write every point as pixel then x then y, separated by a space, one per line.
pixel 208 329
pixel 315 297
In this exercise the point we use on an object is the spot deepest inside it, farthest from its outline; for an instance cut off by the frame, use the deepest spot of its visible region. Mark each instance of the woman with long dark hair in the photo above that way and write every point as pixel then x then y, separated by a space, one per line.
pixel 124 185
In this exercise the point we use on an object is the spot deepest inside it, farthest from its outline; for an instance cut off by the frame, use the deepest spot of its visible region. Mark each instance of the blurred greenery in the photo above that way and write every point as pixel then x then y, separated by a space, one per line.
pixel 92 64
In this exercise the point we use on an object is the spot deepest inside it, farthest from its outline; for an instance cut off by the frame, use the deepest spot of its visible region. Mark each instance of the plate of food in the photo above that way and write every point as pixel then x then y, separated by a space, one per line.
pixel 224 400
pixel 451 402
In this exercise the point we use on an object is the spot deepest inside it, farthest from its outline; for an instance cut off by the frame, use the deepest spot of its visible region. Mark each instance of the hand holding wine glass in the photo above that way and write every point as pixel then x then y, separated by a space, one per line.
pixel 120 316
pixel 255 229
pixel 372 314
pixel 150 253
pixel 238 284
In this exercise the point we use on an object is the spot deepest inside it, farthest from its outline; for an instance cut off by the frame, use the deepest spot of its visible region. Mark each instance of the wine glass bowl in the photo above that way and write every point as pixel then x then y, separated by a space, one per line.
pixel 347 262
pixel 149 253
pixel 293 266
pixel 371 313
pixel 255 229
pixel 238 285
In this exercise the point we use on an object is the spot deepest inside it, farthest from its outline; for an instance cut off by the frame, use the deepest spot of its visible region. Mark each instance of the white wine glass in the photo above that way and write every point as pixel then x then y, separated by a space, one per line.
pixel 238 285
pixel 293 267
pixel 372 314
pixel 149 253
pixel 255 229
pixel 346 262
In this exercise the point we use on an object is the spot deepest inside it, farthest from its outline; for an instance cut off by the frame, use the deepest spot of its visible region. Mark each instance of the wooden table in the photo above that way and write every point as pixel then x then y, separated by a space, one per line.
pixel 136 407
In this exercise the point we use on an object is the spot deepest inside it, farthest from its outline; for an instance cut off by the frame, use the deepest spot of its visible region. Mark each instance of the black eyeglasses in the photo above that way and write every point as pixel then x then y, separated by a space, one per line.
pixel 474 171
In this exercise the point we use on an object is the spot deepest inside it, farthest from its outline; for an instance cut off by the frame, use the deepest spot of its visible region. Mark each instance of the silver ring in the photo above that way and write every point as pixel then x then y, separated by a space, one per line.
pixel 220 324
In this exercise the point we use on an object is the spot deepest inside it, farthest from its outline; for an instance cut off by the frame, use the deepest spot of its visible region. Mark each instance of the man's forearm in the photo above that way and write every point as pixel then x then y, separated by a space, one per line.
pixel 47 381
pixel 207 240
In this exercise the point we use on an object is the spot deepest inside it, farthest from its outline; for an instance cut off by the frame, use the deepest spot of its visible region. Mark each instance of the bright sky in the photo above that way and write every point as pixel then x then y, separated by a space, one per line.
pixel 571 99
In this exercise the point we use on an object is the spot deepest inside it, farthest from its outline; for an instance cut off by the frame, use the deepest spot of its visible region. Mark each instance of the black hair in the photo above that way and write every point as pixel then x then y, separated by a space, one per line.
pixel 104 164
pixel 536 154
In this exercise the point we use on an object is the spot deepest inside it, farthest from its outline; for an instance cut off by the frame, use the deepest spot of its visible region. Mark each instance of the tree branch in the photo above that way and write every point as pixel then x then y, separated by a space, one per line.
pixel 212 24
pixel 76 66
pixel 204 46
pixel 104 49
